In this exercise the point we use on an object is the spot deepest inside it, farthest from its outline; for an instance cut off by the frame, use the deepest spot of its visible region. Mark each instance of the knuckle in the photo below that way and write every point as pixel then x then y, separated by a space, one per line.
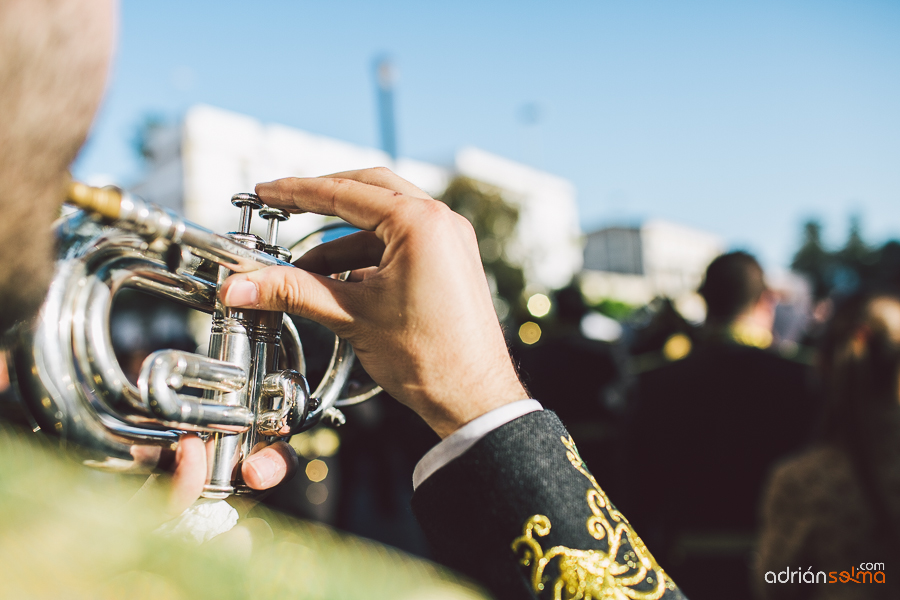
pixel 287 294
pixel 464 224
pixel 336 187
pixel 436 212
pixel 432 218
pixel 382 171
pixel 338 183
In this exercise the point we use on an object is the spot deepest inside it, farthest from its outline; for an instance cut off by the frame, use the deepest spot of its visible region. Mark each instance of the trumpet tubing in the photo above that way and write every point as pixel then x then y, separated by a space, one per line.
pixel 251 384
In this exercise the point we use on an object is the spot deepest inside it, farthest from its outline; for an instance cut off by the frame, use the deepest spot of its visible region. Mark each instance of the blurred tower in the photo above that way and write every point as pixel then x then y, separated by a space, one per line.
pixel 385 76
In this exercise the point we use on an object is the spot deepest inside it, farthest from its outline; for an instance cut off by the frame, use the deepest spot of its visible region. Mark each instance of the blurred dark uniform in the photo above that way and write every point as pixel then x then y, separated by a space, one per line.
pixel 573 376
pixel 711 426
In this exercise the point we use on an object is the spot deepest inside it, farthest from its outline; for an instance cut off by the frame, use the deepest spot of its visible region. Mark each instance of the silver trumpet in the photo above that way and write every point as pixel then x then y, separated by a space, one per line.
pixel 253 387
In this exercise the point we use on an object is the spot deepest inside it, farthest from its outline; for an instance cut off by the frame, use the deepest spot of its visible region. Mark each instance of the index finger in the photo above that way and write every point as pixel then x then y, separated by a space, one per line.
pixel 360 204
pixel 383 177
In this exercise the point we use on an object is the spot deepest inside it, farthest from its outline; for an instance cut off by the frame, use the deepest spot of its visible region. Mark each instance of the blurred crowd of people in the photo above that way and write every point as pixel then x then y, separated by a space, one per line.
pixel 735 457
pixel 738 458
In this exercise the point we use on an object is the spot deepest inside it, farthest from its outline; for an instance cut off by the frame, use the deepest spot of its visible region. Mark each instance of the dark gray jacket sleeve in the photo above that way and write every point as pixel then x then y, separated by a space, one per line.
pixel 520 513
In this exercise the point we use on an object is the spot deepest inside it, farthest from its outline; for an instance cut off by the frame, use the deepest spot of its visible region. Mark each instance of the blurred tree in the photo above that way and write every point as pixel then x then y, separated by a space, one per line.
pixel 494 220
pixel 857 257
pixel 813 260
pixel 845 275
pixel 855 250
pixel 844 271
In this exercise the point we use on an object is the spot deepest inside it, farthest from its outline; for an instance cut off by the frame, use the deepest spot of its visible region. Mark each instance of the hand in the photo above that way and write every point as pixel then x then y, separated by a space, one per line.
pixel 262 470
pixel 417 308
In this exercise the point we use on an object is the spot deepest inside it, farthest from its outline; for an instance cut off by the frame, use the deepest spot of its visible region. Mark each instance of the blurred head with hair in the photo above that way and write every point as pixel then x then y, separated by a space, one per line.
pixel 54 60
pixel 734 283
pixel 738 303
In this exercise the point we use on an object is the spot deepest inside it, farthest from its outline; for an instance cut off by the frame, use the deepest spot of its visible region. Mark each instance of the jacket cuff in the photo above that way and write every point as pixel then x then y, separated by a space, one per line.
pixel 455 444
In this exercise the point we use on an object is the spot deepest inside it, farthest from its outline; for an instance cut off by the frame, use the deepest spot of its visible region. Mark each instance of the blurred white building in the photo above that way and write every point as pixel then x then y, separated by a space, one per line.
pixel 196 166
pixel 657 258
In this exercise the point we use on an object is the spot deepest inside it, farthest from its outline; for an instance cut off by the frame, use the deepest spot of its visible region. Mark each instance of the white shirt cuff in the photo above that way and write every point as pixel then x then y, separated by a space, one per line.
pixel 455 444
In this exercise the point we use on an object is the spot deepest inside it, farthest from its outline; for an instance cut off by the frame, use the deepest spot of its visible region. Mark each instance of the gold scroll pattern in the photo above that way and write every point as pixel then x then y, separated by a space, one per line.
pixel 593 574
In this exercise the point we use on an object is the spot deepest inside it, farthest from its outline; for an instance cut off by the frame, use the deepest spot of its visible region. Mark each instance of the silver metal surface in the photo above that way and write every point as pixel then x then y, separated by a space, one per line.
pixel 247 202
pixel 255 393
pixel 230 341
pixel 165 372
pixel 288 395
pixel 274 216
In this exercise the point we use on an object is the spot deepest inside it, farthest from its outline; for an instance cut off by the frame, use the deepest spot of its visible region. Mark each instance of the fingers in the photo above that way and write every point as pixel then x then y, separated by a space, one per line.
pixel 152 456
pixel 190 473
pixel 362 274
pixel 355 251
pixel 382 177
pixel 360 204
pixel 270 466
pixel 290 290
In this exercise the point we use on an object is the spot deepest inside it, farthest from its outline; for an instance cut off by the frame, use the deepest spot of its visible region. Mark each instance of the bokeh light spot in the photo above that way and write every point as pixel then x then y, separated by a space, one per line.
pixel 539 305
pixel 677 347
pixel 316 470
pixel 325 442
pixel 530 332
pixel 317 493
pixel 321 442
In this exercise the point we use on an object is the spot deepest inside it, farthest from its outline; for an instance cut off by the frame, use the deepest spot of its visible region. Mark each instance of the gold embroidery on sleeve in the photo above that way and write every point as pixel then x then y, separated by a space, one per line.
pixel 594 574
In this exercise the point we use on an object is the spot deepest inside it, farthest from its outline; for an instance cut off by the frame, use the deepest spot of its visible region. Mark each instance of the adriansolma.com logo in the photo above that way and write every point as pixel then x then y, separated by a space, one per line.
pixel 864 573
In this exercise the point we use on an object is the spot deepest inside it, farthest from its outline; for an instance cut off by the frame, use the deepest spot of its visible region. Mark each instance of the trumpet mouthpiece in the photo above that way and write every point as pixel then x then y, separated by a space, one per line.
pixel 106 201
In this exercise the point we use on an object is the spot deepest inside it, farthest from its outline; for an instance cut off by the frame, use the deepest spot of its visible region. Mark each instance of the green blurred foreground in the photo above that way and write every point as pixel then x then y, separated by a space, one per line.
pixel 68 532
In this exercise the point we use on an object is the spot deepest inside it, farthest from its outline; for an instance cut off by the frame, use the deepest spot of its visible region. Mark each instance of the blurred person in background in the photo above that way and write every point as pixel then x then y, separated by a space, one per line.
pixel 659 334
pixel 837 506
pixel 711 425
pixel 504 497
pixel 572 376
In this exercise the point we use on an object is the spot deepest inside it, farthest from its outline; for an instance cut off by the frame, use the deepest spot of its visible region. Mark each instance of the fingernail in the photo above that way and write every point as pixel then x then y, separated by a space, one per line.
pixel 263 467
pixel 241 293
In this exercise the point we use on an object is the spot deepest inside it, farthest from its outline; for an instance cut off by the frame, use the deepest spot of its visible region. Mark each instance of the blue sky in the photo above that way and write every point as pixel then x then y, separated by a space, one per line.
pixel 741 118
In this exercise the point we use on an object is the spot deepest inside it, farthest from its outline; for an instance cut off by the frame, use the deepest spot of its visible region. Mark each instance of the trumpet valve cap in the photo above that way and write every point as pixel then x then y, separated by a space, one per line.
pixel 247 199
pixel 247 203
pixel 267 213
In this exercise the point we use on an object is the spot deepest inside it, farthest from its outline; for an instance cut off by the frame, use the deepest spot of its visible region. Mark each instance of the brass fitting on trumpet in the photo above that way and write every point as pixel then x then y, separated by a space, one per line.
pixel 105 201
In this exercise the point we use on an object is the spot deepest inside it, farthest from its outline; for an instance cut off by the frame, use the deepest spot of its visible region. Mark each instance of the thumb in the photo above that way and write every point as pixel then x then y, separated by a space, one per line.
pixel 290 290
pixel 189 475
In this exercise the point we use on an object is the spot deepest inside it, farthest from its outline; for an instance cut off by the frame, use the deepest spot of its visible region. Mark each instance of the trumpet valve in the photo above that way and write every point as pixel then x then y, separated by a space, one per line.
pixel 274 216
pixel 247 202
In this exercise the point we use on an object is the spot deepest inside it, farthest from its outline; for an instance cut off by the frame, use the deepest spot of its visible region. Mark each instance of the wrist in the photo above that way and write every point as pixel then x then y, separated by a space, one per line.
pixel 463 409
